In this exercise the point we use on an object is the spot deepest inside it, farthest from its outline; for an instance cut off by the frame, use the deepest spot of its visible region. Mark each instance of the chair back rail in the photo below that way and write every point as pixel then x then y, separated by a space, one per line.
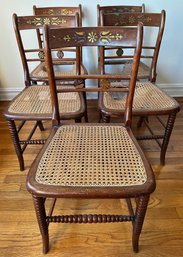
pixel 118 9
pixel 60 10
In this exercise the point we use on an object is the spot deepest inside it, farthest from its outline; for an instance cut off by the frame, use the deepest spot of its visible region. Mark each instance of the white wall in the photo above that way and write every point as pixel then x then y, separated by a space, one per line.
pixel 170 65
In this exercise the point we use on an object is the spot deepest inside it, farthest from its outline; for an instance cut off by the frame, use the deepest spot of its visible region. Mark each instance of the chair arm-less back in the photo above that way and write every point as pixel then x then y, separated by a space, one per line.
pixel 22 23
pixel 98 37
pixel 153 20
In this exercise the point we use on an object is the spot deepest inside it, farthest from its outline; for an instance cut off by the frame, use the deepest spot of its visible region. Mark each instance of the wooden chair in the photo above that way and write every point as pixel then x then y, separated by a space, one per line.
pixel 33 103
pixel 91 160
pixel 149 100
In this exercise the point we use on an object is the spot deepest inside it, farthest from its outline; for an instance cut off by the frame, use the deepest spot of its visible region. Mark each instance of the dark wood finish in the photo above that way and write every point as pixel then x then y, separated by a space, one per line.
pixel 118 9
pixel 162 231
pixel 79 37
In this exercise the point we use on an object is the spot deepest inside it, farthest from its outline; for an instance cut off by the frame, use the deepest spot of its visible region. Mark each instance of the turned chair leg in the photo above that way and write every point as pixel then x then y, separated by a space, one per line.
pixel 41 218
pixel 139 219
pixel 166 138
pixel 16 140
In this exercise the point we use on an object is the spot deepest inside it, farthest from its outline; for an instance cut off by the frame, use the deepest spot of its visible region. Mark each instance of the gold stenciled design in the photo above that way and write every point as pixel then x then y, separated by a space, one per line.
pixel 58 12
pixel 104 36
pixel 67 38
pixel 92 37
pixel 105 83
pixel 47 21
pixel 141 18
pixel 66 12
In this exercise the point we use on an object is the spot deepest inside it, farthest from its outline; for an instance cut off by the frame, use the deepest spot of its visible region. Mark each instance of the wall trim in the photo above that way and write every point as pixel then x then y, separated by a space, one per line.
pixel 7 94
pixel 175 90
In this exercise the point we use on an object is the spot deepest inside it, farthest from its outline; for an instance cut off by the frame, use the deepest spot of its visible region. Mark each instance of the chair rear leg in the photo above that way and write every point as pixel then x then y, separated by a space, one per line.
pixel 41 218
pixel 139 219
pixel 86 111
pixel 40 125
pixel 141 120
pixel 16 140
pixel 166 137
pixel 78 120
pixel 105 118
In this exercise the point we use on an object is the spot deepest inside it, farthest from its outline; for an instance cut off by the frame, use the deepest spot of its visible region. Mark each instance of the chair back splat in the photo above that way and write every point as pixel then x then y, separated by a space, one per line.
pixel 91 161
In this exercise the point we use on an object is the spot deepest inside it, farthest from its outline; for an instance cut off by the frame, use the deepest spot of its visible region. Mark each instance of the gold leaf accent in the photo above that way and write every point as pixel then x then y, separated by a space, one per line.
pixel 80 33
pixel 67 38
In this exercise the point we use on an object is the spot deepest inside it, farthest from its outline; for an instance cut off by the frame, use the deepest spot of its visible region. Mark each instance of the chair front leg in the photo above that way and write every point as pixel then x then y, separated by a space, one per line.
pixel 141 208
pixel 166 137
pixel 16 142
pixel 39 205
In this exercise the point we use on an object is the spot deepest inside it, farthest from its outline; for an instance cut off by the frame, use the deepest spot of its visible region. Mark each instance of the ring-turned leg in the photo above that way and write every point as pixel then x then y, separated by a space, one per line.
pixel 166 138
pixel 16 140
pixel 41 218
pixel 139 219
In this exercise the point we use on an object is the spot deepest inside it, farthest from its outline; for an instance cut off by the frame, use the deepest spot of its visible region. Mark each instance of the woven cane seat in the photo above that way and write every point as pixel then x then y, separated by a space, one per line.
pixel 147 97
pixel 36 100
pixel 143 70
pixel 91 155
pixel 60 70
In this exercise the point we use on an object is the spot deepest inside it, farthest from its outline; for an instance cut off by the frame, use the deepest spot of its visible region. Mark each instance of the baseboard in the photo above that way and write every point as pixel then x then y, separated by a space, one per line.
pixel 175 90
pixel 7 94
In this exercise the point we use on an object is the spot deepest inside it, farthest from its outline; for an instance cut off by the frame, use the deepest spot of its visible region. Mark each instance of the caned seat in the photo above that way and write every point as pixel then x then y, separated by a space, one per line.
pixel 149 100
pixel 147 96
pixel 34 103
pixel 62 69
pixel 91 161
pixel 96 155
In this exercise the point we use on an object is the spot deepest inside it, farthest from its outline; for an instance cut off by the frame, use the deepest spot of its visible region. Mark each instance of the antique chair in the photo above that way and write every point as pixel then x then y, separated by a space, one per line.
pixel 91 161
pixel 33 103
pixel 149 100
